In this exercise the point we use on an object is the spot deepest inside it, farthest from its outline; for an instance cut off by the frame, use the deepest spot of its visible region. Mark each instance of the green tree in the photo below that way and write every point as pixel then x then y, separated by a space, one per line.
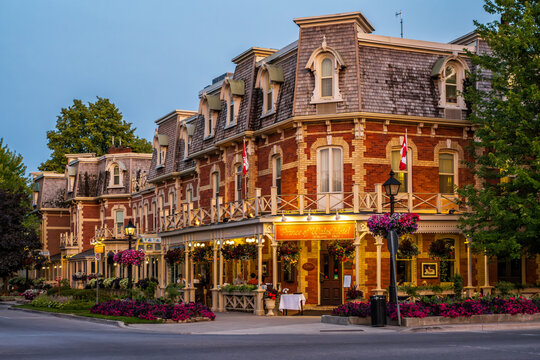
pixel 90 128
pixel 18 229
pixel 505 214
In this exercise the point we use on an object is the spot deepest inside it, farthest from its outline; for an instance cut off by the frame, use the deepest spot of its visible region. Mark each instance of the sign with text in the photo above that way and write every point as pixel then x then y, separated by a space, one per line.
pixel 97 256
pixel 99 249
pixel 347 281
pixel 315 231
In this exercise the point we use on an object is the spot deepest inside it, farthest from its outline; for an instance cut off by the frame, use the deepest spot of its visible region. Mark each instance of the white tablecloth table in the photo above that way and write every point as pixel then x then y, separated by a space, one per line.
pixel 292 302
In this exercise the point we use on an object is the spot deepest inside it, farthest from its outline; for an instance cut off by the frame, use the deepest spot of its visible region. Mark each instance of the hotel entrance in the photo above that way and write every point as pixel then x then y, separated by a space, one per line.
pixel 330 277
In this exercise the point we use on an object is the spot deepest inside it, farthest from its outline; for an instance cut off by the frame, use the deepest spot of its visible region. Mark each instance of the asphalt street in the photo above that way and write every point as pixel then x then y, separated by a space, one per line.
pixel 36 336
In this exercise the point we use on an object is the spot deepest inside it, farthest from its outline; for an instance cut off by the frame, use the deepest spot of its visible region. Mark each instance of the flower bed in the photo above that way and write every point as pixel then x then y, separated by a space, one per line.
pixel 145 310
pixel 465 308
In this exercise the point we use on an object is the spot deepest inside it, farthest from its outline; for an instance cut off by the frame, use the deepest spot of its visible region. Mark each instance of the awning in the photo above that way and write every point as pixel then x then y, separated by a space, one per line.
pixel 237 87
pixel 83 255
pixel 213 102
pixel 436 70
pixel 275 72
pixel 163 140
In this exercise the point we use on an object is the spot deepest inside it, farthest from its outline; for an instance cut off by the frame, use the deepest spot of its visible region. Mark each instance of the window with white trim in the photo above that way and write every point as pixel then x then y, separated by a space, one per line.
pixel 403 176
pixel 325 63
pixel 447 173
pixel 238 182
pixel 276 173
pixel 330 170
pixel 119 222
pixel 116 175
pixel 189 194
pixel 450 79
pixel 327 78
pixel 215 184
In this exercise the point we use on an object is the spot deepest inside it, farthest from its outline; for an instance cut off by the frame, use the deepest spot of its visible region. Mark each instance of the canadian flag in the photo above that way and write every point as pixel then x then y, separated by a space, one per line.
pixel 403 162
pixel 244 158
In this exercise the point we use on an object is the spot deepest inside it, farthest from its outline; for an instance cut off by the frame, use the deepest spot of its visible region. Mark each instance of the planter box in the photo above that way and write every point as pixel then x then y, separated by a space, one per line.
pixel 475 319
pixel 239 301
pixel 427 292
pixel 345 320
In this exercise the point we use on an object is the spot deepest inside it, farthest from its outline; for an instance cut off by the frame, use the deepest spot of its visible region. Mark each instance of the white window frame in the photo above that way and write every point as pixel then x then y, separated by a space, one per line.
pixel 460 69
pixel 214 178
pixel 275 175
pixel 331 170
pixel 408 171
pixel 454 174
pixel 118 227
pixel 238 178
pixel 267 87
pixel 314 64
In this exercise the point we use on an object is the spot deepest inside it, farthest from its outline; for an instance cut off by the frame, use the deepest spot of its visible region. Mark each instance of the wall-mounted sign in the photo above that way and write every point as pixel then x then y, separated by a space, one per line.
pixel 99 249
pixel 347 281
pixel 315 231
pixel 308 266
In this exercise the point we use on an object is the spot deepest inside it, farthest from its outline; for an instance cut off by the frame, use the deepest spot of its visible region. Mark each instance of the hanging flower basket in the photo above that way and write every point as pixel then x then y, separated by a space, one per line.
pixel 289 253
pixel 441 249
pixel 402 223
pixel 174 256
pixel 407 249
pixel 341 250
pixel 247 251
pixel 202 254
pixel 129 257
pixel 229 252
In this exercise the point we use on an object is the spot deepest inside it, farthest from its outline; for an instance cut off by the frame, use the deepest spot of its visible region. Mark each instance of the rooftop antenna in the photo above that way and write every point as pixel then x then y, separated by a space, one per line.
pixel 400 13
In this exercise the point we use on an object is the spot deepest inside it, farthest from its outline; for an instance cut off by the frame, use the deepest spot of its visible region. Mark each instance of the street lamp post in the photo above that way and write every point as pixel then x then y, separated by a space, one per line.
pixel 391 187
pixel 129 231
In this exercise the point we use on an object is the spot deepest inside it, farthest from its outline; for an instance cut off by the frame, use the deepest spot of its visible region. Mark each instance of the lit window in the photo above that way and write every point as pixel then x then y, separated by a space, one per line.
pixel 331 170
pixel 119 222
pixel 446 173
pixel 401 175
pixel 189 194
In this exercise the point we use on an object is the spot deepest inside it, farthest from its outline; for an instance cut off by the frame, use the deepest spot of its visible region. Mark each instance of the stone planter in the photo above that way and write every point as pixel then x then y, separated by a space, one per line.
pixel 270 306
pixel 475 319
pixel 239 301
pixel 345 320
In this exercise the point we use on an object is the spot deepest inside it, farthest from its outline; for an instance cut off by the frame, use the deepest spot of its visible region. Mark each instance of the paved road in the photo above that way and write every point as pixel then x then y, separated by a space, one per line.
pixel 35 336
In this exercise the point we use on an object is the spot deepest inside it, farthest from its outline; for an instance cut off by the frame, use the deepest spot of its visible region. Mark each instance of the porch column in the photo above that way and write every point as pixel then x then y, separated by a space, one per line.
pixel 486 289
pixel 259 309
pixel 186 273
pixel 357 261
pixel 215 276
pixel 274 263
pixel 378 243
pixel 191 279
pixel 469 289
pixel 220 295
pixel 162 275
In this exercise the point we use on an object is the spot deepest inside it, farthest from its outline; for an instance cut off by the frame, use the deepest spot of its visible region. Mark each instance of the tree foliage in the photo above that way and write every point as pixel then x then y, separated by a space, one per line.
pixel 12 170
pixel 505 214
pixel 90 128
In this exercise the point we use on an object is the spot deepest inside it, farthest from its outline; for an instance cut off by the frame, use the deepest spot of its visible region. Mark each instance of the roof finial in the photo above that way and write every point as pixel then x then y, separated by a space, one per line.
pixel 323 45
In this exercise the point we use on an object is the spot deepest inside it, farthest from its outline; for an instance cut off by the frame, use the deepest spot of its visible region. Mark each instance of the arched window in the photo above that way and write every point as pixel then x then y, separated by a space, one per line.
pixel 330 172
pixel 327 78
pixel 276 173
pixel 447 175
pixel 269 80
pixel 450 83
pixel 238 172
pixel 116 175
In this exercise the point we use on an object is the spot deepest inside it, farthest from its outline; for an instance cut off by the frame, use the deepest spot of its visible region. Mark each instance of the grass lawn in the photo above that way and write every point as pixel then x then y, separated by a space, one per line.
pixel 87 313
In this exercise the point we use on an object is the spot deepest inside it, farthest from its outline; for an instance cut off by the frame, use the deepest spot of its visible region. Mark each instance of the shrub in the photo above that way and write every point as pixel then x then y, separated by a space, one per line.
pixel 504 288
pixel 173 291
pixel 148 286
pixel 354 294
pixel 238 288
pixel 360 309
pixel 30 294
pixel 458 285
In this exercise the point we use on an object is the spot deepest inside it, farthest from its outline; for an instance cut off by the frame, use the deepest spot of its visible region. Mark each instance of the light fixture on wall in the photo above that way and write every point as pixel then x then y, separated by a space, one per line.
pixel 283 218
pixel 309 215
pixel 337 215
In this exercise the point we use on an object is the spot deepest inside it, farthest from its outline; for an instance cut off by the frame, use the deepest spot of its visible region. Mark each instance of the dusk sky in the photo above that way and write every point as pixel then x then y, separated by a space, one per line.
pixel 151 57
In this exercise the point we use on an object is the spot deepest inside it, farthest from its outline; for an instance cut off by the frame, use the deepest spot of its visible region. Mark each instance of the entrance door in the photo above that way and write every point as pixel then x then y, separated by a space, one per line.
pixel 330 279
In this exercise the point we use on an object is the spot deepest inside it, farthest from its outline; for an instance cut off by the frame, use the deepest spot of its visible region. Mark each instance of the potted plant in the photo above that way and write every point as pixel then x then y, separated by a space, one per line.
pixel 129 257
pixel 202 254
pixel 341 250
pixel 270 297
pixel 174 256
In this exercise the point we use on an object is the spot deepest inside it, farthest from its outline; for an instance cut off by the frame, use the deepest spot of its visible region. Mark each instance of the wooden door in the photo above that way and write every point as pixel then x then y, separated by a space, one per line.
pixel 330 280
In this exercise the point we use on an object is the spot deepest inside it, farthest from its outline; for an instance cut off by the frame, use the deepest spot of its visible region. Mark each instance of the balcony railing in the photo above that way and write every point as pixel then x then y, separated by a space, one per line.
pixel 68 240
pixel 300 204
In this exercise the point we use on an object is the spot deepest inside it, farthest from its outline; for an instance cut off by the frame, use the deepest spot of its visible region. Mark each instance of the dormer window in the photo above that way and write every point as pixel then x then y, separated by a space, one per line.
pixel 269 80
pixel 208 108
pixel 116 175
pixel 325 63
pixel 188 135
pixel 449 75
pixel 161 143
pixel 232 92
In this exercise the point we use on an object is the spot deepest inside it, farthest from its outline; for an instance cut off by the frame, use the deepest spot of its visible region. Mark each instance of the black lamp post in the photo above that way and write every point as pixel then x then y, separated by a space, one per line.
pixel 391 187
pixel 129 230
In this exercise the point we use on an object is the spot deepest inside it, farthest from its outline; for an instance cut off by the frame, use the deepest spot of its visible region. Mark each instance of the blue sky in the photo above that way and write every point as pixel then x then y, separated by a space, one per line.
pixel 151 57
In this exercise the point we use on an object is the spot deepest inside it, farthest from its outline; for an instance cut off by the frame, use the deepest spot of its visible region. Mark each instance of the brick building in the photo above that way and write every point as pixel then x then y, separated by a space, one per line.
pixel 323 120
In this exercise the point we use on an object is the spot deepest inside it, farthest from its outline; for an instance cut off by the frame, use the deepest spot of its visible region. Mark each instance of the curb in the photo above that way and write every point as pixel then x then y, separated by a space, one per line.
pixel 475 327
pixel 117 323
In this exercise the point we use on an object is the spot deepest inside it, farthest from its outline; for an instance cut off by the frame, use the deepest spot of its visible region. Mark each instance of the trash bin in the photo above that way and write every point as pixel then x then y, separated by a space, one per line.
pixel 378 310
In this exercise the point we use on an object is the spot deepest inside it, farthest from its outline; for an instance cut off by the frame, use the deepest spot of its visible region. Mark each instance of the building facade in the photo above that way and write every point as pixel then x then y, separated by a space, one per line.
pixel 321 121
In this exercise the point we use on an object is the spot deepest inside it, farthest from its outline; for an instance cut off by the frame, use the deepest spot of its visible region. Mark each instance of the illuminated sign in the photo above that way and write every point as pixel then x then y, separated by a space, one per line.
pixel 315 231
